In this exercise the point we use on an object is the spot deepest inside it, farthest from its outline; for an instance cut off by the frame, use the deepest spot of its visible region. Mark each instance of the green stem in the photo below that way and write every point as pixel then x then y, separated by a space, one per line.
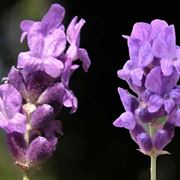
pixel 28 108
pixel 151 130
pixel 25 176
pixel 153 167
pixel 153 154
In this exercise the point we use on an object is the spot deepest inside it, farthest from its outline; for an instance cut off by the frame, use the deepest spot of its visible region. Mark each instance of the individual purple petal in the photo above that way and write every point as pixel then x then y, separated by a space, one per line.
pixel 53 95
pixel 67 72
pixel 16 124
pixel 169 127
pixel 138 129
pixel 40 149
pixel 134 46
pixel 70 101
pixel 125 72
pixel 73 31
pixel 25 27
pixel 41 116
pixel 54 43
pixel 170 39
pixel 84 57
pixel 157 27
pixel 17 146
pixel 10 104
pixel 145 56
pixel 23 35
pixel 153 81
pixel 125 120
pixel 36 83
pixel 169 105
pixel 54 16
pixel 129 102
pixel 72 53
pixel 137 89
pixel 136 76
pixel 159 48
pixel 166 66
pixel 36 37
pixel 155 103
pixel 174 94
pixel 15 78
pixel 174 117
pixel 163 136
pixel 141 31
pixel 169 82
pixel 145 97
pixel 125 36
pixel 125 98
pixel 3 118
pixel 11 98
pixel 177 65
pixel 52 67
pixel 145 143
pixel 29 63
pixel 161 139
pixel 144 115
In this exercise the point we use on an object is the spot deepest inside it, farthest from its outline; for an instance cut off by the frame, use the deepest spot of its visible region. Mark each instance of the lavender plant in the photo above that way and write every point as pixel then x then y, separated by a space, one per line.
pixel 152 73
pixel 38 86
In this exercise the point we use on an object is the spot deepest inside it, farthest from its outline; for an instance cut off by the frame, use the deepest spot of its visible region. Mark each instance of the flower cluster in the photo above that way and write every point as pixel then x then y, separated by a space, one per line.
pixel 152 73
pixel 38 87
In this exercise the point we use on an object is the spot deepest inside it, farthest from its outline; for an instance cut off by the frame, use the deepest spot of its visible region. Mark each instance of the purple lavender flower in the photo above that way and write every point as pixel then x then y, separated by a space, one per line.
pixel 38 87
pixel 11 116
pixel 46 40
pixel 150 45
pixel 152 73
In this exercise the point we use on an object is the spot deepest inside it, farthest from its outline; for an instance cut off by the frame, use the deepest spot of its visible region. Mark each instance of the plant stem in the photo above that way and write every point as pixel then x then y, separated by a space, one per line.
pixel 153 155
pixel 153 166
pixel 28 108
pixel 25 176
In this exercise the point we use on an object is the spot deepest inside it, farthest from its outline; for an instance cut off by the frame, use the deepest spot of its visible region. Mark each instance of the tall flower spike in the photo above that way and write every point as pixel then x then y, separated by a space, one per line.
pixel 38 87
pixel 152 72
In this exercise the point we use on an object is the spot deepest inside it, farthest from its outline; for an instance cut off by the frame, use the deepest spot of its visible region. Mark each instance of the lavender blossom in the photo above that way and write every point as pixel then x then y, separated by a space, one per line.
pixel 152 73
pixel 38 87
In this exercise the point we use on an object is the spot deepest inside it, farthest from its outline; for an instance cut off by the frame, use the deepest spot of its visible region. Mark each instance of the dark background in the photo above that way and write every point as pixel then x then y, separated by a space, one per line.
pixel 91 148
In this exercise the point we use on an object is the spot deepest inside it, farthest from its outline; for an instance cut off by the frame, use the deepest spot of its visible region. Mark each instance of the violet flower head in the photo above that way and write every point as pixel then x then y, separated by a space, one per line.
pixel 38 87
pixel 152 73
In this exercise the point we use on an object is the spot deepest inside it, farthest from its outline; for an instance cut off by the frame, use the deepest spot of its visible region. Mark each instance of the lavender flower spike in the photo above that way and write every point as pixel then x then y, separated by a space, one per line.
pixel 38 87
pixel 152 73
